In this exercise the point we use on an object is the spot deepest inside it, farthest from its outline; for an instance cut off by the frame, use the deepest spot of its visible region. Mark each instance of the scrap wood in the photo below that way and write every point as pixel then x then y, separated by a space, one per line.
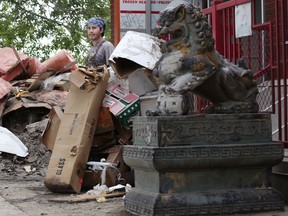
pixel 86 197
pixel 19 60
pixel 87 78
pixel 91 72
pixel 67 67
pixel 39 80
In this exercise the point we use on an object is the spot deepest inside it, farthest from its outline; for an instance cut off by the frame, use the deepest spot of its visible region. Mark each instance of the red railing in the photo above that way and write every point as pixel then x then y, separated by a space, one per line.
pixel 258 50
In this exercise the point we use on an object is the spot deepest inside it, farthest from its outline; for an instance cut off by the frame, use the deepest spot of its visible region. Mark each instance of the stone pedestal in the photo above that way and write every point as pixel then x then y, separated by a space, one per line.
pixel 202 165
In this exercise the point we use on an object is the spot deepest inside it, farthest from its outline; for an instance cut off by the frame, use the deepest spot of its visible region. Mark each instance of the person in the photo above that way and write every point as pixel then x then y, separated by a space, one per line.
pixel 101 49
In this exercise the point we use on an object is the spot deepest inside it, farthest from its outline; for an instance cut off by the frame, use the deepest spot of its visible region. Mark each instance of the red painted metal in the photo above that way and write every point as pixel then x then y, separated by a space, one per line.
pixel 234 52
pixel 239 48
pixel 249 52
pixel 259 48
pixel 278 71
pixel 262 72
pixel 133 11
pixel 271 58
pixel 225 33
pixel 260 58
pixel 229 34
pixel 253 14
pixel 217 25
pixel 264 53
pixel 284 70
pixel 230 4
pixel 263 69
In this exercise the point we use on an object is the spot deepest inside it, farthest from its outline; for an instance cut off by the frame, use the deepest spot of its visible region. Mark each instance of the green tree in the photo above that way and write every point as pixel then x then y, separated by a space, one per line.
pixel 40 28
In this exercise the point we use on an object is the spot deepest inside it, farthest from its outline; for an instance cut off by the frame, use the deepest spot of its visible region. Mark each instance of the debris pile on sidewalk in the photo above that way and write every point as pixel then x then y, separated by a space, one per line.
pixel 73 120
pixel 26 97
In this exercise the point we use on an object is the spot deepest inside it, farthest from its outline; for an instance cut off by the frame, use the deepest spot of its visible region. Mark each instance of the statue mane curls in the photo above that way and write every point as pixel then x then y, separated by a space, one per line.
pixel 190 63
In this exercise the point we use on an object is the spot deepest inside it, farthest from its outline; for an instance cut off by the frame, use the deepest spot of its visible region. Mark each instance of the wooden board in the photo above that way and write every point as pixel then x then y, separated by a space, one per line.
pixel 86 197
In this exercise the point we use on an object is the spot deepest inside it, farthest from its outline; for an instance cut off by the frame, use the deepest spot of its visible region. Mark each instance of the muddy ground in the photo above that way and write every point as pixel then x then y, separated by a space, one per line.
pixel 22 183
pixel 30 197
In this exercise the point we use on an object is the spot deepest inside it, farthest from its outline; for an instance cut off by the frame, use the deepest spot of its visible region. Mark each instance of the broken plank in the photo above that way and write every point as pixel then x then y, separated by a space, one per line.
pixel 86 197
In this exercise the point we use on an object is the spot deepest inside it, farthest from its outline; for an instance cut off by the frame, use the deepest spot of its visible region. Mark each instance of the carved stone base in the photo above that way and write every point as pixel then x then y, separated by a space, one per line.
pixel 202 165
pixel 203 203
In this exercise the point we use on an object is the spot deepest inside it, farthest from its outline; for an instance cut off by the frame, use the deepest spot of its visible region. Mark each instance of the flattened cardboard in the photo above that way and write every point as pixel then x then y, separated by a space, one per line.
pixel 75 135
pixel 49 134
pixel 104 126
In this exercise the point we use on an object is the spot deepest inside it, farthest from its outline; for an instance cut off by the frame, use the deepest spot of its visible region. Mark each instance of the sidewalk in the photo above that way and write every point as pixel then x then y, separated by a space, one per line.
pixel 29 197
pixel 10 210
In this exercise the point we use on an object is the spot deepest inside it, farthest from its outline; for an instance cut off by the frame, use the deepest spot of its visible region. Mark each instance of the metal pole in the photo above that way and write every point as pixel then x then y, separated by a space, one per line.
pixel 284 72
pixel 148 17
pixel 278 71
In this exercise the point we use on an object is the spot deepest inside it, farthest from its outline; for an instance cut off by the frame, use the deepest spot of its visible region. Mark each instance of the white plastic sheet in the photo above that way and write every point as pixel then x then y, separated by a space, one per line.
pixel 10 143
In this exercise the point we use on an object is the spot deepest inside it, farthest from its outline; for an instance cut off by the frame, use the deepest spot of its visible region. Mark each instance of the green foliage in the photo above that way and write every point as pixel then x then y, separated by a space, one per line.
pixel 39 28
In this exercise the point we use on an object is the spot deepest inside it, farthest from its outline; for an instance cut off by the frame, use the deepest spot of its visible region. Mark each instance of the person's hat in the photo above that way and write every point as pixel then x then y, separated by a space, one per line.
pixel 96 21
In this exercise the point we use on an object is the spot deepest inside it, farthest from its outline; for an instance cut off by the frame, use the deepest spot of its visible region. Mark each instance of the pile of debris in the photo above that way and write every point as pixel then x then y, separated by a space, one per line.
pixel 25 100
pixel 67 114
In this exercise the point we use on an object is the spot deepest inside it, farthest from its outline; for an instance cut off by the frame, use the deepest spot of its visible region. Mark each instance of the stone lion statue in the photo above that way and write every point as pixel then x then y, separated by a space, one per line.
pixel 190 63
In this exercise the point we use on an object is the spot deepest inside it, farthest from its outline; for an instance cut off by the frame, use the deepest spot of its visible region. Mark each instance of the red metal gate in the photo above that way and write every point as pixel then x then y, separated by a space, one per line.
pixel 264 52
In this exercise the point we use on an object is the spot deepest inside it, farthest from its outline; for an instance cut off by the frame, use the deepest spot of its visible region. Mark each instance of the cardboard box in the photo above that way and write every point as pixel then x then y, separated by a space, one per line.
pixel 76 131
pixel 105 122
pixel 50 132
pixel 140 82
pixel 104 126
pixel 122 103
pixel 135 50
